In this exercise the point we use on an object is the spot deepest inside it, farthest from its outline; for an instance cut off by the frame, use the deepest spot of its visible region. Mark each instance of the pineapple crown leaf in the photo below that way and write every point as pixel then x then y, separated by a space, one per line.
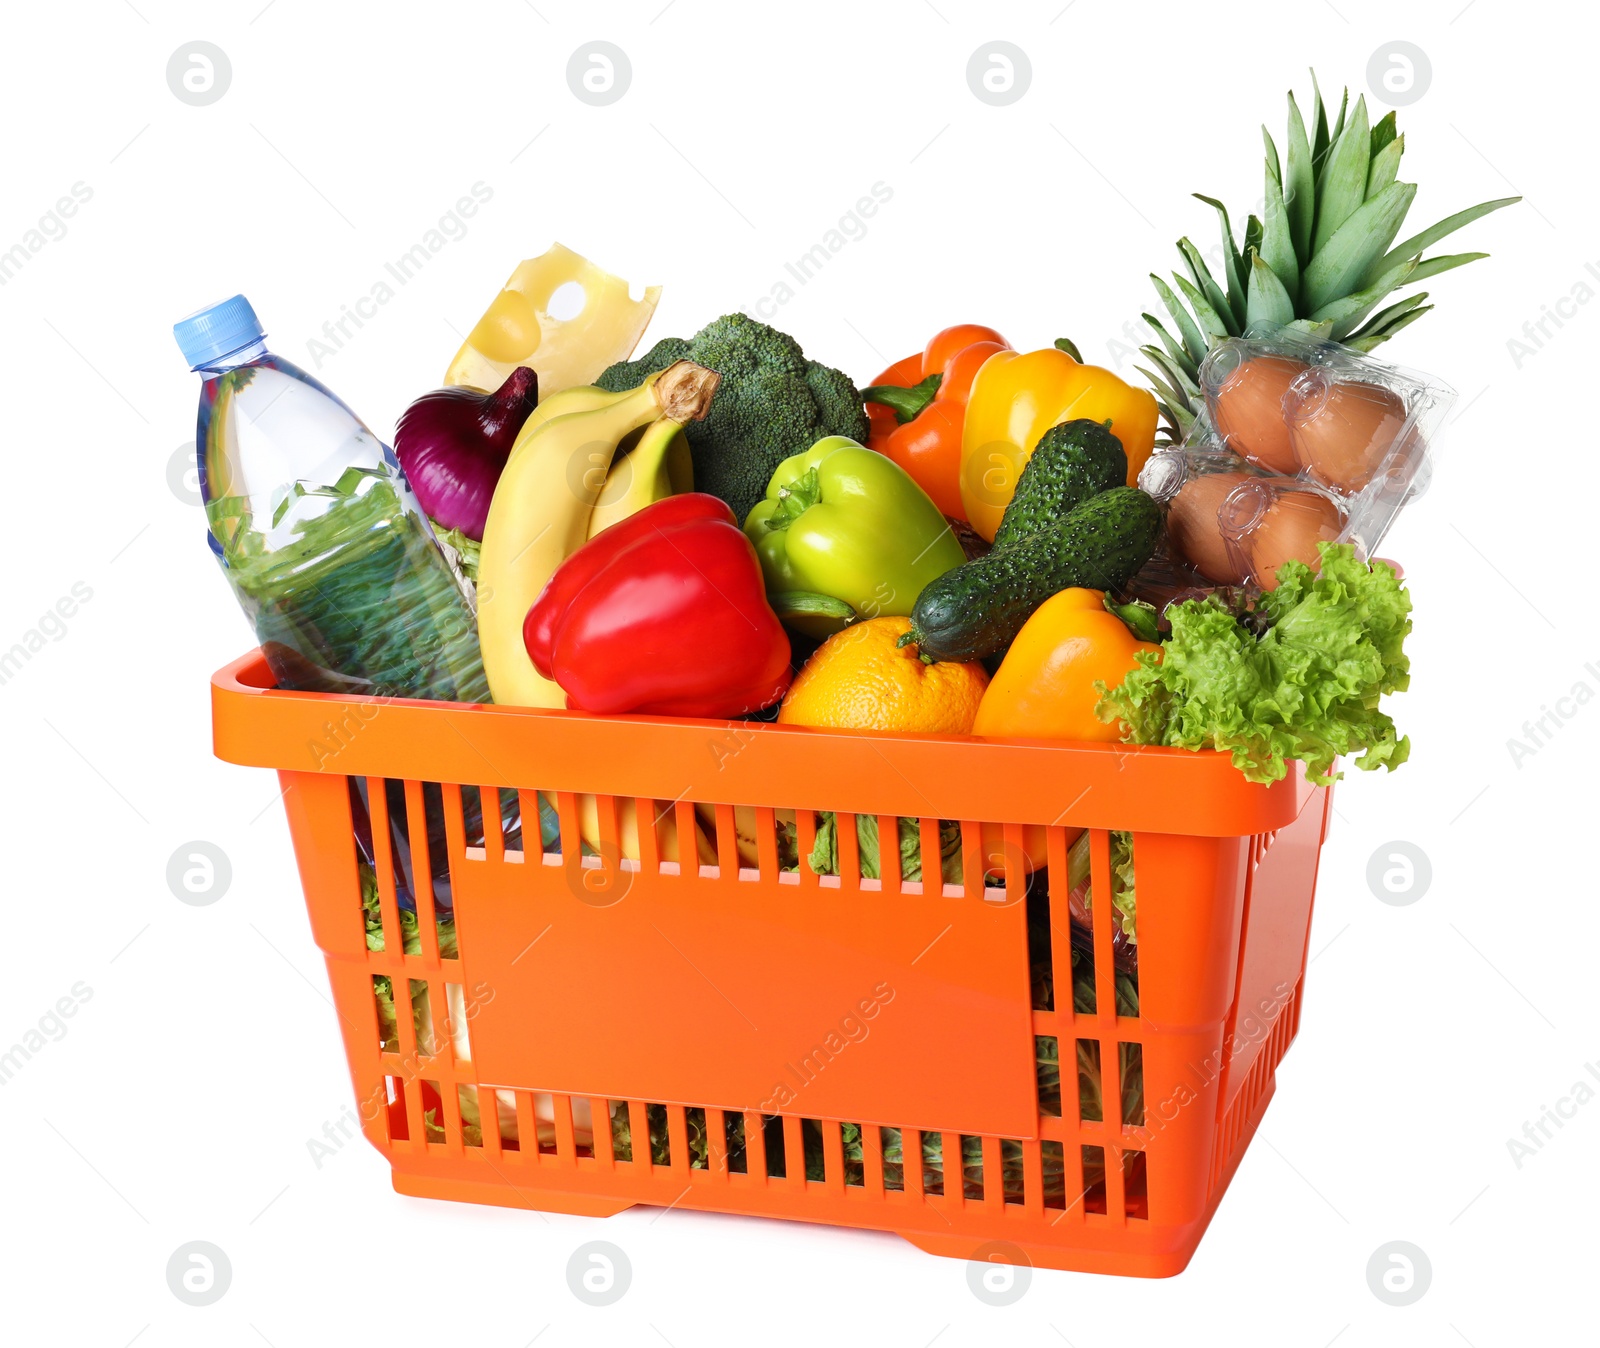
pixel 1222 305
pixel 1210 320
pixel 1340 265
pixel 1383 320
pixel 1413 246
pixel 1193 343
pixel 1348 313
pixel 1319 125
pixel 1343 184
pixel 1173 386
pixel 1269 304
pixel 1365 341
pixel 1176 354
pixel 1232 263
pixel 1384 131
pixel 1321 255
pixel 1299 191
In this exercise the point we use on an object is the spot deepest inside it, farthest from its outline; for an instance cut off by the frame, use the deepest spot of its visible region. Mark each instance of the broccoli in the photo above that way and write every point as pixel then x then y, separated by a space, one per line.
pixel 772 403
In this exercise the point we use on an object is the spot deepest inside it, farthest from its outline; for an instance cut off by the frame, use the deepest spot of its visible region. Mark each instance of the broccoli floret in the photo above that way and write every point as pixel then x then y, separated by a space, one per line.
pixel 626 374
pixel 772 403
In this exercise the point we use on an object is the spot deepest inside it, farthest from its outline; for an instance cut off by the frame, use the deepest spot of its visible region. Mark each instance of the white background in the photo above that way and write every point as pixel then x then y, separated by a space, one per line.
pixel 179 1104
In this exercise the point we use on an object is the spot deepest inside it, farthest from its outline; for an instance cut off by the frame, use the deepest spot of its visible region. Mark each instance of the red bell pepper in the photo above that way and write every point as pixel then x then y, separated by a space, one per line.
pixel 663 613
pixel 918 406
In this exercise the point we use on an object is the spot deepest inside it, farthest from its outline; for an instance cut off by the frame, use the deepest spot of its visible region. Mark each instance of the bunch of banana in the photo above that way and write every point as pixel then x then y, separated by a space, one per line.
pixel 544 505
pixel 562 484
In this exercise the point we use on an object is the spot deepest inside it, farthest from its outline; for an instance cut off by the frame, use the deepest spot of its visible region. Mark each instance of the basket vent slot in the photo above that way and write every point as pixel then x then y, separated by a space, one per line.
pixel 772 1136
pixel 505 1108
pixel 933 1167
pixel 695 1125
pixel 734 1142
pixel 422 1018
pixel 854 1167
pixel 544 1112
pixel 1089 1083
pixel 399 1125
pixel 433 1124
pixel 816 1168
pixel 972 1168
pixel 1135 1186
pixel 467 1101
pixel 455 1000
pixel 1053 1156
pixel 1131 1067
pixel 894 1168
pixel 1094 1179
pixel 1011 1170
pixel 1047 1067
pixel 383 1000
pixel 621 1134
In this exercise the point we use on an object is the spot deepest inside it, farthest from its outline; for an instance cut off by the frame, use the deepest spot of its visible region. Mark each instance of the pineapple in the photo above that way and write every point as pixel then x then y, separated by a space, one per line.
pixel 1322 260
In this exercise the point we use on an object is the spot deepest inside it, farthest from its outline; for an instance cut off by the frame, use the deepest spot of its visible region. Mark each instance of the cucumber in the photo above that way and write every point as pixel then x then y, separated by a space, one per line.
pixel 1071 463
pixel 977 609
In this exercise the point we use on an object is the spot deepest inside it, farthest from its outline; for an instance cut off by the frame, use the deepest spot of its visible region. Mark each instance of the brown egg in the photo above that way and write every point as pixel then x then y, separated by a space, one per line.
pixel 1248 411
pixel 1341 431
pixel 1289 528
pixel 1194 529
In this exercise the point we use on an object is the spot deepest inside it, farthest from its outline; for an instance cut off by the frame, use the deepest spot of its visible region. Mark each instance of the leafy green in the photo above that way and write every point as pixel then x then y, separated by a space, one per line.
pixel 466 549
pixel 347 592
pixel 1123 899
pixel 1307 687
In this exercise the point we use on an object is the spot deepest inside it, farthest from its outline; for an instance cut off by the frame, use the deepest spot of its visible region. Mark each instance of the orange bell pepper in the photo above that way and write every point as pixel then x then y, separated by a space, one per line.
pixel 1016 398
pixel 1045 687
pixel 917 407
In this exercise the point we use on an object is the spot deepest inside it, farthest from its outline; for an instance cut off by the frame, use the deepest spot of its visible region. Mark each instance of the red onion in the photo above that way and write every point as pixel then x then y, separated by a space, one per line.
pixel 453 443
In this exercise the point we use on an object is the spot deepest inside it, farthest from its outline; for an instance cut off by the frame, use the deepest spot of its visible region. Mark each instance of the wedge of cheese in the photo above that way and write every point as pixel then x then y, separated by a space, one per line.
pixel 598 325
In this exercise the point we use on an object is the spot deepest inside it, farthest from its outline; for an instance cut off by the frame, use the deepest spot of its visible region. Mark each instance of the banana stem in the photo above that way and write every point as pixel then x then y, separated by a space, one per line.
pixel 685 389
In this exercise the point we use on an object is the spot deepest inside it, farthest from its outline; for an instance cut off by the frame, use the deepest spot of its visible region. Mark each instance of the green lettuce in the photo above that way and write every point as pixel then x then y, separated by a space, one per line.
pixel 1306 687
pixel 466 549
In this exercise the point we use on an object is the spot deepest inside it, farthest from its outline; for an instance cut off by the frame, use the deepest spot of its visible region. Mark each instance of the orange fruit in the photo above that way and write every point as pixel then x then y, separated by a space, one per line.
pixel 859 679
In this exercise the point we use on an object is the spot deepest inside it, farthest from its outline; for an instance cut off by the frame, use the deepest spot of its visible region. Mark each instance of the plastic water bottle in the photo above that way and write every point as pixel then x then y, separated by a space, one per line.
pixel 327 550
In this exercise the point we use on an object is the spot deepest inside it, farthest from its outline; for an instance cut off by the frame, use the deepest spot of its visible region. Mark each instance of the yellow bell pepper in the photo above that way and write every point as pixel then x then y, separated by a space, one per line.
pixel 1016 398
pixel 1045 687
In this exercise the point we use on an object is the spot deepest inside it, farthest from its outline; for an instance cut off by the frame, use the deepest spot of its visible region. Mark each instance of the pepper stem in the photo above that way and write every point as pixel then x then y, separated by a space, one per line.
pixel 905 403
pixel 794 499
pixel 1070 347
pixel 1139 617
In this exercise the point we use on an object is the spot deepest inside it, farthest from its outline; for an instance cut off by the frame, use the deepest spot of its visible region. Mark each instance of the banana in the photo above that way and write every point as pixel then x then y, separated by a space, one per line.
pixel 656 466
pixel 540 512
pixel 580 398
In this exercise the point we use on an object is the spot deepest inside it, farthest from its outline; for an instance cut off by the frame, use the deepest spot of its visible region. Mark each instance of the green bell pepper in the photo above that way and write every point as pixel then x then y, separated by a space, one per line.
pixel 845 533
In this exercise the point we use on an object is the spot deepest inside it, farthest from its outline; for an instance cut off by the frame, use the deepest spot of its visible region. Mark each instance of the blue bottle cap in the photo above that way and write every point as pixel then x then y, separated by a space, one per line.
pixel 208 334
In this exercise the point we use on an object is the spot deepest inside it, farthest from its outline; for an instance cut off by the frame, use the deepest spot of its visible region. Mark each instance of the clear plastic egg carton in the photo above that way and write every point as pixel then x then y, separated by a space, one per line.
pixel 1303 441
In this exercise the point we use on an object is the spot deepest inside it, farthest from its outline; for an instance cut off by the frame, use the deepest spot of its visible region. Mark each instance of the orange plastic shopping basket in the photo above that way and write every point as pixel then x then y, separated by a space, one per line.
pixel 601 1019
